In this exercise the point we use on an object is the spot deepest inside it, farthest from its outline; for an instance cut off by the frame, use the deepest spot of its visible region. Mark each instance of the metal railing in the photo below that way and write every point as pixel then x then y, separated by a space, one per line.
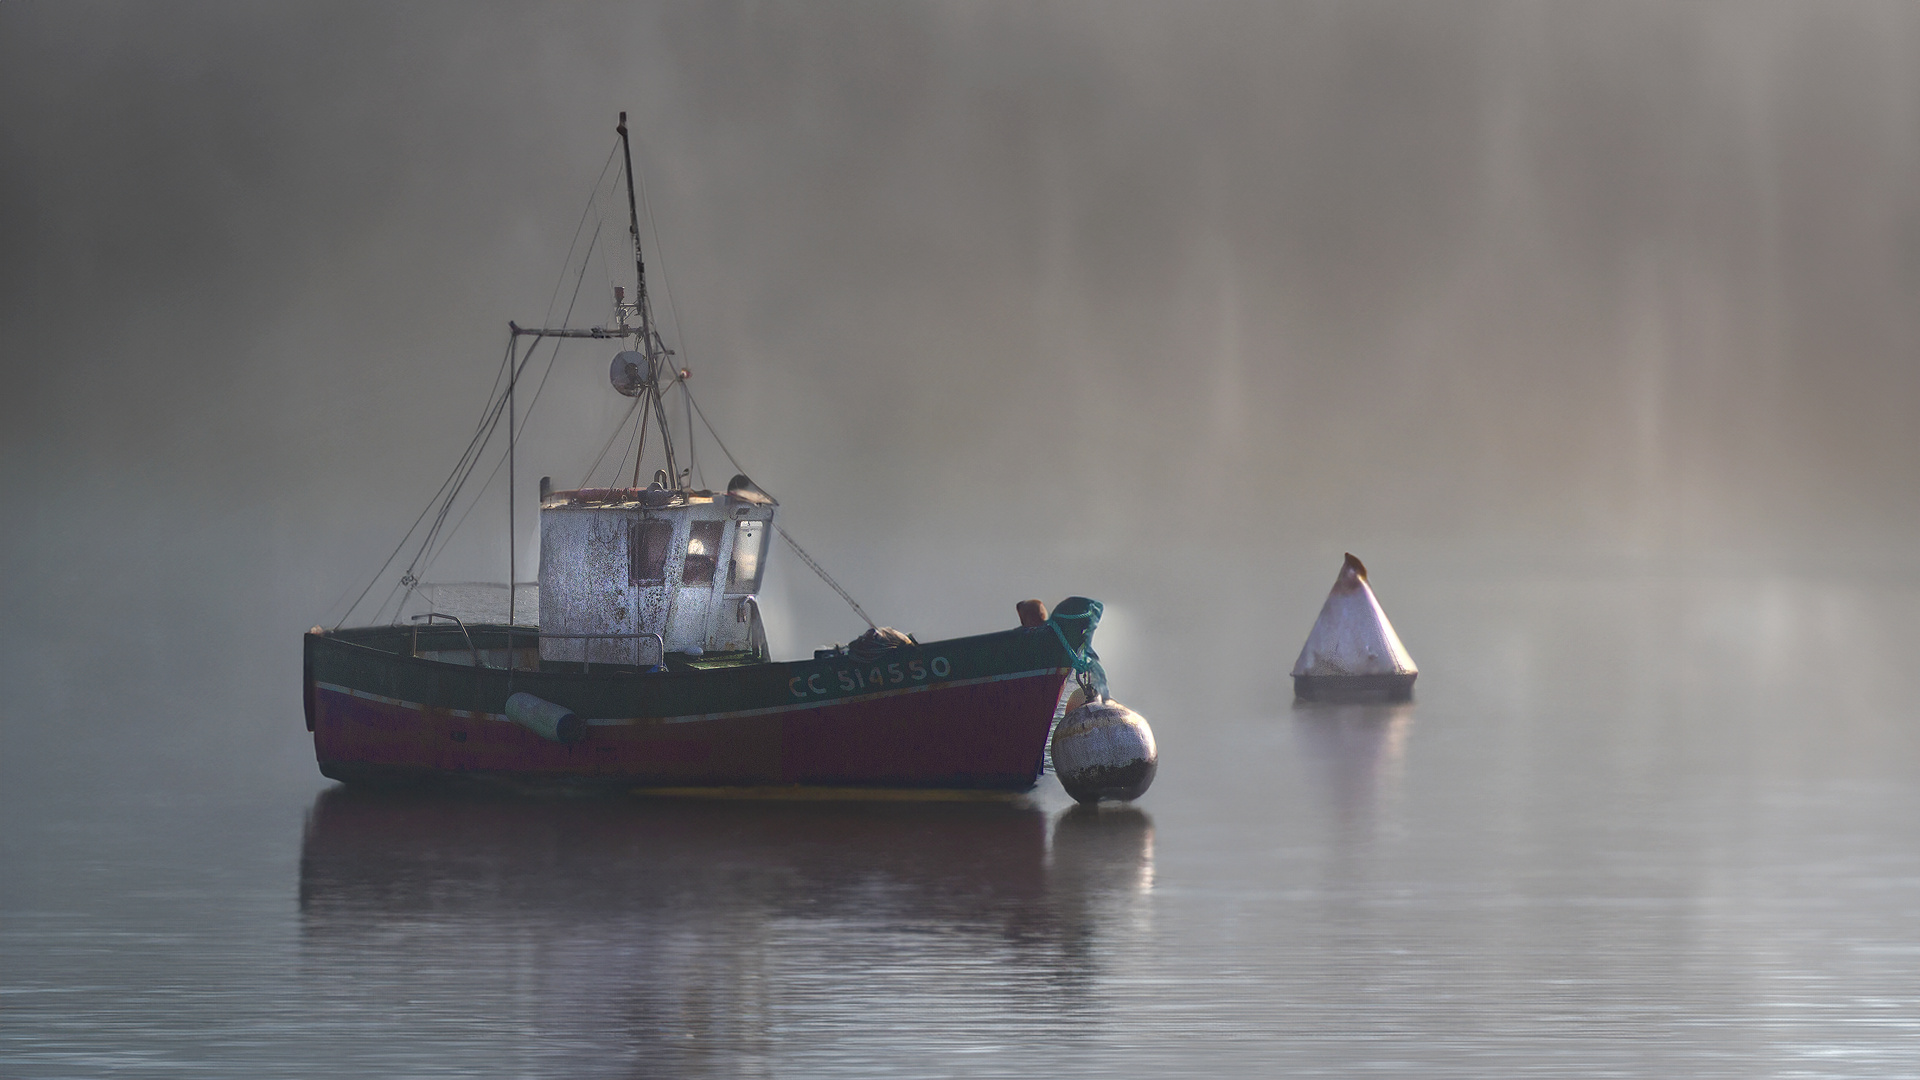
pixel 586 655
pixel 756 629
pixel 432 615
pixel 586 660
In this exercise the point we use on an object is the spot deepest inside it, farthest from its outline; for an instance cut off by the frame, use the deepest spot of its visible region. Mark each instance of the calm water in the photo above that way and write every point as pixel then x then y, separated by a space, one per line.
pixel 1639 827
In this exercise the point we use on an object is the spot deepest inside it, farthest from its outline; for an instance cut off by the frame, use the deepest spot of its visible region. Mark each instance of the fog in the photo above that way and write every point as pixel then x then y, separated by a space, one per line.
pixel 1589 327
pixel 1164 304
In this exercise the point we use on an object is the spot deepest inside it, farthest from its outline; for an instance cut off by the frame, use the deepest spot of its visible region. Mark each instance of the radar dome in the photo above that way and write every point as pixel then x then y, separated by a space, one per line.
pixel 629 373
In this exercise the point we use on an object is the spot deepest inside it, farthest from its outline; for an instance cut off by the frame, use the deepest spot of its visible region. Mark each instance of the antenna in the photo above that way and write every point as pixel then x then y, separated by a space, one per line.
pixel 649 340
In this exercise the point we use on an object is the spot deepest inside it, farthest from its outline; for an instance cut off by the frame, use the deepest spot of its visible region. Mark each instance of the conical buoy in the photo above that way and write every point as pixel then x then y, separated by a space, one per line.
pixel 1104 750
pixel 1353 653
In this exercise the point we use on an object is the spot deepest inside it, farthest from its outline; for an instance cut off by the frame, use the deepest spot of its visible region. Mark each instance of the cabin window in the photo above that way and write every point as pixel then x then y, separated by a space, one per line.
pixel 749 544
pixel 648 546
pixel 703 552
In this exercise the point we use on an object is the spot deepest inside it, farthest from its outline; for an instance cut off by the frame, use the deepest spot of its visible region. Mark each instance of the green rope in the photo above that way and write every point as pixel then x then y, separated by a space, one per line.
pixel 1086 662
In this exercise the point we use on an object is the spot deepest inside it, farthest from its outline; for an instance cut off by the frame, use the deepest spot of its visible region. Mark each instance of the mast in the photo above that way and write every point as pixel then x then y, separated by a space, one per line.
pixel 513 537
pixel 650 345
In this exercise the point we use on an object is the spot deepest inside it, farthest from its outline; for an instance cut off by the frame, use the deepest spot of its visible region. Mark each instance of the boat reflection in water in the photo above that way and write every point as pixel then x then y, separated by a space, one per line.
pixel 660 926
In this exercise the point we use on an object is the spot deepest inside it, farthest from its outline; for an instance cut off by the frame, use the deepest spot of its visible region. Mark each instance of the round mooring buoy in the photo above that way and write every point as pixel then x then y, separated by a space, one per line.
pixel 1104 750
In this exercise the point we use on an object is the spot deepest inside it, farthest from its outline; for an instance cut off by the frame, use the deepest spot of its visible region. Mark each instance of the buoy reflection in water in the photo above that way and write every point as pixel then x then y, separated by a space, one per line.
pixel 1100 882
pixel 1354 752
pixel 1102 849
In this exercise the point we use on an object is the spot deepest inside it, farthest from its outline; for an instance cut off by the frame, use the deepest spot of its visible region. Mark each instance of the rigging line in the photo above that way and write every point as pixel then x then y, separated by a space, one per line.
pixel 493 425
pixel 701 413
pixel 693 460
pixel 699 474
pixel 432 502
pixel 777 527
pixel 652 344
pixel 606 253
pixel 388 600
pixel 447 537
pixel 446 507
pixel 635 412
pixel 408 535
pixel 679 327
pixel 639 425
pixel 565 321
pixel 592 193
pixel 606 270
pixel 824 576
pixel 527 417
pixel 505 402
pixel 599 216
pixel 640 450
pixel 464 471
pixel 587 480
pixel 666 281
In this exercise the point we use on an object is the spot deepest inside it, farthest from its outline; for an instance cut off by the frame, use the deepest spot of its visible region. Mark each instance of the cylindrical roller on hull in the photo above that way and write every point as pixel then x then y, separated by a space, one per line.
pixel 554 723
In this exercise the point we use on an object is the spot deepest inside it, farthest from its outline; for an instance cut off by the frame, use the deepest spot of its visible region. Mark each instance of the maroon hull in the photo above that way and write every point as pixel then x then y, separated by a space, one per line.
pixel 977 733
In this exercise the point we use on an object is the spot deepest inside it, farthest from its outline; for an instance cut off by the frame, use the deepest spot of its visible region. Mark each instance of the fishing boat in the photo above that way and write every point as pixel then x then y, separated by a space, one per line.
pixel 647 667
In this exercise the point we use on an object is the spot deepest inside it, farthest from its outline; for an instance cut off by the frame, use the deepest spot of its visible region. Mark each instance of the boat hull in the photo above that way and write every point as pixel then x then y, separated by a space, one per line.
pixel 969 714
